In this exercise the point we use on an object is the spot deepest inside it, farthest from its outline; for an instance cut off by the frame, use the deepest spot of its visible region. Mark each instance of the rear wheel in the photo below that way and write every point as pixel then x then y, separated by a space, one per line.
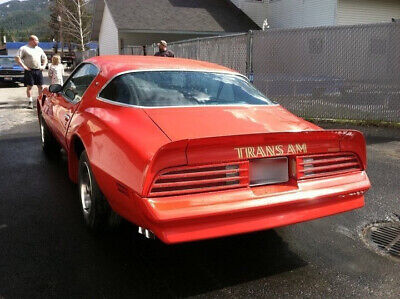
pixel 96 211
pixel 49 143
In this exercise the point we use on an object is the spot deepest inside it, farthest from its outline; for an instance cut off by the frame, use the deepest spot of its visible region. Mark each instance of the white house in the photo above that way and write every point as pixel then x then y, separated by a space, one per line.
pixel 310 13
pixel 121 23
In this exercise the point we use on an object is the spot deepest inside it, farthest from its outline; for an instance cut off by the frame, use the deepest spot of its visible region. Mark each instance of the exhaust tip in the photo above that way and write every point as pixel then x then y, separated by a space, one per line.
pixel 147 233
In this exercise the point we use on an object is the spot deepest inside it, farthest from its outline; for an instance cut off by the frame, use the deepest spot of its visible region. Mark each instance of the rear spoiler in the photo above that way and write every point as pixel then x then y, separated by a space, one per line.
pixel 244 147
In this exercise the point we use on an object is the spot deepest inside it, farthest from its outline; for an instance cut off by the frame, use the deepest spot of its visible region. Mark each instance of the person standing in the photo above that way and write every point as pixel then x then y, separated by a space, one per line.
pixel 56 70
pixel 163 51
pixel 33 59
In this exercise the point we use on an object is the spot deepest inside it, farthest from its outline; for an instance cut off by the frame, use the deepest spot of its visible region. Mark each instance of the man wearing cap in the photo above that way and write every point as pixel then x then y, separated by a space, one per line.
pixel 33 59
pixel 163 52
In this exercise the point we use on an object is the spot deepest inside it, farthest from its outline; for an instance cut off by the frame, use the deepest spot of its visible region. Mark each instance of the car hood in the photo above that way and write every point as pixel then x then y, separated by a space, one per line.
pixel 11 67
pixel 198 122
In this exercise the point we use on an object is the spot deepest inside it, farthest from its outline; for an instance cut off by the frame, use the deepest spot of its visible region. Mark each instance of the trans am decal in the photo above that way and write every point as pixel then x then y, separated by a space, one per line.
pixel 264 151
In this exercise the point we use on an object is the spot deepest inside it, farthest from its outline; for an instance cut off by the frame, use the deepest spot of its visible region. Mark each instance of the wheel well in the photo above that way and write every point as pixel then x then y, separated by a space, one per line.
pixel 76 149
pixel 39 110
pixel 38 100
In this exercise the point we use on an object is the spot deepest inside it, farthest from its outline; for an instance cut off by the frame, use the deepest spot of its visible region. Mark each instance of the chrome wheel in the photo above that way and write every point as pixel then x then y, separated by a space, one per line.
pixel 42 131
pixel 86 189
pixel 97 213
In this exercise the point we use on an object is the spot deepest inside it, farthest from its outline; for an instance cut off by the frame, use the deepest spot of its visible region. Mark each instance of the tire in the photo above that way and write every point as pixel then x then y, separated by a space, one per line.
pixel 49 144
pixel 96 211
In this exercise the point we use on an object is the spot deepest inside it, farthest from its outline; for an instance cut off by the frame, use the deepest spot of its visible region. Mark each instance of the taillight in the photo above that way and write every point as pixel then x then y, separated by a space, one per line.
pixel 204 178
pixel 320 165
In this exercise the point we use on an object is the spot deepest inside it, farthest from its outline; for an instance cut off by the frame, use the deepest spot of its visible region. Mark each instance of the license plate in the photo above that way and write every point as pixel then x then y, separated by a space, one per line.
pixel 7 78
pixel 269 171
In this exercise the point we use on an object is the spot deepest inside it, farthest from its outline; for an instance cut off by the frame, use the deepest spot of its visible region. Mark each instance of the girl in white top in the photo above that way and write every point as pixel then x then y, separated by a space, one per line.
pixel 56 70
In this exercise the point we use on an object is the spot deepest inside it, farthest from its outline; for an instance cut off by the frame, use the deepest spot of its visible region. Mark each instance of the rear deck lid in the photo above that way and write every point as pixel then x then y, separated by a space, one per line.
pixel 255 146
pixel 200 122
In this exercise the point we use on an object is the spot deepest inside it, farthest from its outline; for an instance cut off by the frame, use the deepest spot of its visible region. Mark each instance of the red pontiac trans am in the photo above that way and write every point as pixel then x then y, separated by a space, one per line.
pixel 190 150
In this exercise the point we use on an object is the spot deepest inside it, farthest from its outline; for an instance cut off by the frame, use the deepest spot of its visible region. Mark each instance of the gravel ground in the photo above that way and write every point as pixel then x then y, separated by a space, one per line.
pixel 13 106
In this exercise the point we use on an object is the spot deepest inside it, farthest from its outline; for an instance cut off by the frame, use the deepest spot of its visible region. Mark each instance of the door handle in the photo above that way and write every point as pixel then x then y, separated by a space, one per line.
pixel 67 117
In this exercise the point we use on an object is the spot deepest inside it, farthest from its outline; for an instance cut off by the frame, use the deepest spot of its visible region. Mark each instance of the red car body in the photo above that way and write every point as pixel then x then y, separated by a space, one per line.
pixel 147 161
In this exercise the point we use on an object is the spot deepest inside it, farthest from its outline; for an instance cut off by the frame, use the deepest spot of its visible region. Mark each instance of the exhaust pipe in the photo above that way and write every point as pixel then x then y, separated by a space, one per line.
pixel 147 233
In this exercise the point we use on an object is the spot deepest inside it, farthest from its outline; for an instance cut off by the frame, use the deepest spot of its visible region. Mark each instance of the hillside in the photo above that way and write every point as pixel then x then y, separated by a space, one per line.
pixel 19 19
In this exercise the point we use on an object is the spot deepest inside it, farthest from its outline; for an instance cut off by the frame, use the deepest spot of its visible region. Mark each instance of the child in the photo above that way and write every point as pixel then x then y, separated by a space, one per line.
pixel 56 70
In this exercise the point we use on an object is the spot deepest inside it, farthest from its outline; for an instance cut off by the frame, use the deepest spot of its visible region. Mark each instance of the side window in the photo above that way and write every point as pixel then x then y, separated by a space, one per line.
pixel 118 91
pixel 77 84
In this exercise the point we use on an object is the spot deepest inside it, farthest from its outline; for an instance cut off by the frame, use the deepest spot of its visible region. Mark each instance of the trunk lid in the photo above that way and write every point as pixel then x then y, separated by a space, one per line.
pixel 248 147
pixel 180 123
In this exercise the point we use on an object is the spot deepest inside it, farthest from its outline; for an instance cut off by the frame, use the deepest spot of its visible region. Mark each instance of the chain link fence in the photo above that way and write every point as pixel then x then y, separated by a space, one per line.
pixel 341 72
pixel 344 72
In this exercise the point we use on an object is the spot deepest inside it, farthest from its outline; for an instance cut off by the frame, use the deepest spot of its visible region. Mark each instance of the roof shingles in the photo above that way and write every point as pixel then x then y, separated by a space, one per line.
pixel 179 15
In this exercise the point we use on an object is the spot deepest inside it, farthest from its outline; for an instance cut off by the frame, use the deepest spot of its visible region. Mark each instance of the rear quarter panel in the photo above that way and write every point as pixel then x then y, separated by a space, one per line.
pixel 120 143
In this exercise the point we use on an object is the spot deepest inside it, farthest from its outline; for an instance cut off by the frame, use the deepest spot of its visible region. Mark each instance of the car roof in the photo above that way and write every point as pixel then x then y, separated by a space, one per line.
pixel 114 64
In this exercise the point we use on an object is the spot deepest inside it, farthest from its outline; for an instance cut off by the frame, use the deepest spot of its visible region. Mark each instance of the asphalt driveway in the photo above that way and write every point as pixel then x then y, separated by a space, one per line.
pixel 45 250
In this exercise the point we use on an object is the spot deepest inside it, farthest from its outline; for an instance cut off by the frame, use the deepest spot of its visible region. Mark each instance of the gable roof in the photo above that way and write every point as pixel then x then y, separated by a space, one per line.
pixel 202 16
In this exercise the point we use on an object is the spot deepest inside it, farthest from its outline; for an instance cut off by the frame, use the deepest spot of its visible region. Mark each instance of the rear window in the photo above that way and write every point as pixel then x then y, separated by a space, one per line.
pixel 182 88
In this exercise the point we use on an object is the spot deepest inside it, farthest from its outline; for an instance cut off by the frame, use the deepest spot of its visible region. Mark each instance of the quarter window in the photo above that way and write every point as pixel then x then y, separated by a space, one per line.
pixel 118 91
pixel 77 84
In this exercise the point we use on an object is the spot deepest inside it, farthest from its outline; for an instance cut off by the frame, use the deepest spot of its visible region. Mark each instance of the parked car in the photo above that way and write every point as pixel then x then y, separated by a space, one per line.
pixel 190 150
pixel 10 71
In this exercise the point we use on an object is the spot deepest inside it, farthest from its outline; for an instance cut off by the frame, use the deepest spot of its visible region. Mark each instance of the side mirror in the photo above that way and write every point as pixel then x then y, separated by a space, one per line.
pixel 55 88
pixel 70 94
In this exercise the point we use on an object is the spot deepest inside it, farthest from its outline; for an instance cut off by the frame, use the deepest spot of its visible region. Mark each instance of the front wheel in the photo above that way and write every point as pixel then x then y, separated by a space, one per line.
pixel 96 211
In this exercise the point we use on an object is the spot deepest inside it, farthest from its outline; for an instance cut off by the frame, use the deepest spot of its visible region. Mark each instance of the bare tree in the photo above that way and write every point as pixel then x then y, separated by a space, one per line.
pixel 76 20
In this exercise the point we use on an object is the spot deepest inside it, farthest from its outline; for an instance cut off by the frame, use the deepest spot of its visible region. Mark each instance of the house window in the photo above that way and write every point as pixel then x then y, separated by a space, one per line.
pixel 377 46
pixel 315 45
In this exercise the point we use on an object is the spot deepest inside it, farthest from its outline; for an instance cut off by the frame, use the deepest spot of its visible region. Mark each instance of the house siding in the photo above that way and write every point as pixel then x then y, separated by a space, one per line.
pixel 290 13
pixel 108 36
pixel 367 11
